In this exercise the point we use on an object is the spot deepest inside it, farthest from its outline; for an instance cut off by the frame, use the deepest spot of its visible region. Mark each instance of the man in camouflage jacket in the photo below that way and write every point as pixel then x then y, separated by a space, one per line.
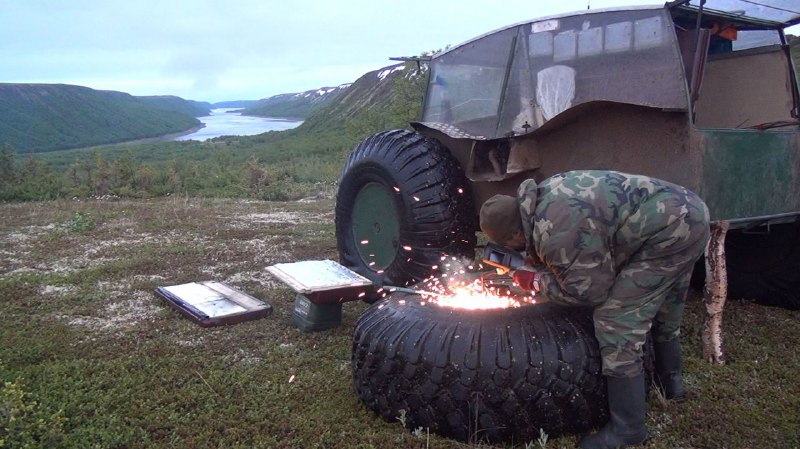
pixel 624 245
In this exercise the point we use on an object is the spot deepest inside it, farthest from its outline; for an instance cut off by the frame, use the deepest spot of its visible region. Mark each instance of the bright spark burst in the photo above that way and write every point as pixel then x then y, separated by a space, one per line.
pixel 474 295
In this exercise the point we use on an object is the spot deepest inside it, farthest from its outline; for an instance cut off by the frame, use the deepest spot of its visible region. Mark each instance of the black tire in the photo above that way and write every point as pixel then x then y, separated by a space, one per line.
pixel 489 375
pixel 762 264
pixel 422 208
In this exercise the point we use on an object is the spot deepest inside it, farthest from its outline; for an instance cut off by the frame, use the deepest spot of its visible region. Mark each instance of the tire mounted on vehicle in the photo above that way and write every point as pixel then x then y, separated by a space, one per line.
pixel 403 203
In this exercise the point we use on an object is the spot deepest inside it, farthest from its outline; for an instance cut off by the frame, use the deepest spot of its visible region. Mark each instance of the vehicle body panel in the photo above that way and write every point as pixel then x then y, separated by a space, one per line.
pixel 749 173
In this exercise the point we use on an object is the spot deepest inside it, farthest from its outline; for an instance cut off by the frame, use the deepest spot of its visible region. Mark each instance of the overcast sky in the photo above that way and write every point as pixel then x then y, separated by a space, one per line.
pixel 210 50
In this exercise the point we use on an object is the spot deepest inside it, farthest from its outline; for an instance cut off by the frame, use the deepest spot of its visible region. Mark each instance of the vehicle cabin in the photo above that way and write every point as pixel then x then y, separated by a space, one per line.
pixel 703 95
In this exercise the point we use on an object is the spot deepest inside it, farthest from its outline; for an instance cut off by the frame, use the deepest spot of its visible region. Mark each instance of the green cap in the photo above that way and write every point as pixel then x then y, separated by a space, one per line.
pixel 500 218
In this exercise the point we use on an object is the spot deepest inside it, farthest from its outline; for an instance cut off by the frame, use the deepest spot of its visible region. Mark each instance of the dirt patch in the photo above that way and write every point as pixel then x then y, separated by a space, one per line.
pixel 251 220
pixel 227 241
pixel 118 315
pixel 56 290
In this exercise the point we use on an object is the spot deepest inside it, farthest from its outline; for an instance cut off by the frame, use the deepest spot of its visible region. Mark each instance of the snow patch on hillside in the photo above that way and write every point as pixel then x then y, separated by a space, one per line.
pixel 386 72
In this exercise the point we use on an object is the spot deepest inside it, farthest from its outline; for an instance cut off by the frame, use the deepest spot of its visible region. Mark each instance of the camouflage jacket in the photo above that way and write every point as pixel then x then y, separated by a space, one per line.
pixel 583 226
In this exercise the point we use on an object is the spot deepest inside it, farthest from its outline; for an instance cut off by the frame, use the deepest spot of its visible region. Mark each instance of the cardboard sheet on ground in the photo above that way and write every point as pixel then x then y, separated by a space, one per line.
pixel 210 303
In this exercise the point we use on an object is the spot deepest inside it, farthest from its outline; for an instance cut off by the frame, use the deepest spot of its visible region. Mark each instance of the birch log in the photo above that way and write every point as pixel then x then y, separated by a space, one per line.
pixel 716 291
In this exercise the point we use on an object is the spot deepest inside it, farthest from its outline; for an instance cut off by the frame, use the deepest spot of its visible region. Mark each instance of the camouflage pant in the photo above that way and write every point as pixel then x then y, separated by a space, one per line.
pixel 650 290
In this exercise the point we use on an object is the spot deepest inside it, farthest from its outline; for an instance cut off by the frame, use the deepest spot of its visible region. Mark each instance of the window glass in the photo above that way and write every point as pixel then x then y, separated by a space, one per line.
pixel 620 56
pixel 565 45
pixel 466 84
pixel 649 33
pixel 780 11
pixel 590 42
pixel 551 66
pixel 541 44
pixel 756 38
pixel 618 37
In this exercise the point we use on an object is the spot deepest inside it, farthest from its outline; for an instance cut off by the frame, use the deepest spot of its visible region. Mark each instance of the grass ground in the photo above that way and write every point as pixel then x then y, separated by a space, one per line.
pixel 91 358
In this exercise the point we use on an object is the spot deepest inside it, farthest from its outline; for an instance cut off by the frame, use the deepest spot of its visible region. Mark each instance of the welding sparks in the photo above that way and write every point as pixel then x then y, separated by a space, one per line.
pixel 456 286
pixel 474 295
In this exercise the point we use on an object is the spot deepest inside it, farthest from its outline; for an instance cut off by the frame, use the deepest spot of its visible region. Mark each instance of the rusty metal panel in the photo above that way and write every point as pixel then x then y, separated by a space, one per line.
pixel 749 173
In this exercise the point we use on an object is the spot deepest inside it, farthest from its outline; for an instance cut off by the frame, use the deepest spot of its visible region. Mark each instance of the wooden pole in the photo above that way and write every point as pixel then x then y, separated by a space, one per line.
pixel 716 292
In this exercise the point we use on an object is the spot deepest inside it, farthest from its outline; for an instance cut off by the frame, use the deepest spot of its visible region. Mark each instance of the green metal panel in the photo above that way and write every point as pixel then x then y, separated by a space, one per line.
pixel 748 173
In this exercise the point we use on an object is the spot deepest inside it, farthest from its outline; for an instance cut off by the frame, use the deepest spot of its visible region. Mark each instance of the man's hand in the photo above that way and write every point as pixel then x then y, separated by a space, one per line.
pixel 528 279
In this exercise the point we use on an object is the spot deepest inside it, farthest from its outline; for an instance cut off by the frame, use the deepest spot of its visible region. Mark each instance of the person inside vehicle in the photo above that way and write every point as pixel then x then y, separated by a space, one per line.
pixel 624 245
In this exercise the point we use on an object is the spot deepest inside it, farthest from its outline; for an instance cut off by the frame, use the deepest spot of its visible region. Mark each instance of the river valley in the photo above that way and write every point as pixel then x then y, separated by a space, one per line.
pixel 227 122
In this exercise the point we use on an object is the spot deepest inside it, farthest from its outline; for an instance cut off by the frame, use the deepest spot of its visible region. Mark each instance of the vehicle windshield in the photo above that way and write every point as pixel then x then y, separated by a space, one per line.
pixel 466 85
pixel 515 80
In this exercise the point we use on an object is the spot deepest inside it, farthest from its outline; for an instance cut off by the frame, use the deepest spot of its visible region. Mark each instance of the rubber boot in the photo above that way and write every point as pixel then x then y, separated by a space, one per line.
pixel 669 375
pixel 626 403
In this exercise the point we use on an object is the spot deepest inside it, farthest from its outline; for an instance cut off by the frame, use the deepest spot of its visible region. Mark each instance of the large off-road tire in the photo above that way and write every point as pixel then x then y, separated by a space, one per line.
pixel 480 375
pixel 762 264
pixel 403 202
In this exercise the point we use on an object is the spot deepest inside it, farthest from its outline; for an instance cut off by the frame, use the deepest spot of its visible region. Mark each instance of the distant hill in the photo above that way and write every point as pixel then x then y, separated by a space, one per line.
pixel 236 104
pixel 386 98
pixel 178 104
pixel 49 117
pixel 295 105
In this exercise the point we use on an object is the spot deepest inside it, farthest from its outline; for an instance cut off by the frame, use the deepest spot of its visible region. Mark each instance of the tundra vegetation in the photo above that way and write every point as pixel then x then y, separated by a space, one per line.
pixel 90 357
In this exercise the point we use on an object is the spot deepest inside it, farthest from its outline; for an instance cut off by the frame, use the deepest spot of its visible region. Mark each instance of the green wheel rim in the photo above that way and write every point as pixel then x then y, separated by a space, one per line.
pixel 376 228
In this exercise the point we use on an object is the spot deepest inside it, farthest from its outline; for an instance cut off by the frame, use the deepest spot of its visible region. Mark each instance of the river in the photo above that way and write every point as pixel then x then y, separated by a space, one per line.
pixel 223 122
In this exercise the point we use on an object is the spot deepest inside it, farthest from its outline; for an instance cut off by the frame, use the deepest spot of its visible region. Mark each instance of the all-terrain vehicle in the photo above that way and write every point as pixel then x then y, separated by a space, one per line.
pixel 701 93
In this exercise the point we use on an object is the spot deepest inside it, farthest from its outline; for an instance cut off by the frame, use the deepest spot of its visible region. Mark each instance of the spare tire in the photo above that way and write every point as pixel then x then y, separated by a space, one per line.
pixel 481 375
pixel 403 202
